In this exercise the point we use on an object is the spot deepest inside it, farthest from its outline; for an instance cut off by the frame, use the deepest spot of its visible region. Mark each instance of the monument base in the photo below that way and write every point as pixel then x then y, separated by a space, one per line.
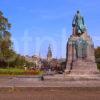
pixel 80 56
pixel 82 67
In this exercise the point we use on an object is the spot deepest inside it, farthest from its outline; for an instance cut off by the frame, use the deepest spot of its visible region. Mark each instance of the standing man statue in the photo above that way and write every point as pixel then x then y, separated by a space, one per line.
pixel 78 24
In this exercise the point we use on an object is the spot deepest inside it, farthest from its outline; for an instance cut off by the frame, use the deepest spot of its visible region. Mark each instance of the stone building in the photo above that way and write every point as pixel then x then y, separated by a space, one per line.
pixel 37 60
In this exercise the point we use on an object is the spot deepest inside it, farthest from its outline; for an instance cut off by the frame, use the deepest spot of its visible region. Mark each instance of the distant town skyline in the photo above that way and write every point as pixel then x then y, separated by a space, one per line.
pixel 38 23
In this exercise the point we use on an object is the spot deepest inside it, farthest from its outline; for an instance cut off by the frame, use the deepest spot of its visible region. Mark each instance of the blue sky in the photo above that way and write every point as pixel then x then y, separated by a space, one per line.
pixel 38 23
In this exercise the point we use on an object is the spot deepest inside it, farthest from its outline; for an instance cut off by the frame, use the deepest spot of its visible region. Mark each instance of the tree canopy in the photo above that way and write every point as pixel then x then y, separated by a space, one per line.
pixel 97 55
pixel 8 57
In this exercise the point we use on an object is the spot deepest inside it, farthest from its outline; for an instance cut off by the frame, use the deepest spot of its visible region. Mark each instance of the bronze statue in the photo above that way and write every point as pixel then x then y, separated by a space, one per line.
pixel 78 24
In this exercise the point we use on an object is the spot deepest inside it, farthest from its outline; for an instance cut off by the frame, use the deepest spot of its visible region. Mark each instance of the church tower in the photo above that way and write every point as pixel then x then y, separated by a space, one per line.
pixel 49 54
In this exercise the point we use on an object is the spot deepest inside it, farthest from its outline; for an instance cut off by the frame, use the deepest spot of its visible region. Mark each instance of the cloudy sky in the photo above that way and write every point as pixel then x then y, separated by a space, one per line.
pixel 38 23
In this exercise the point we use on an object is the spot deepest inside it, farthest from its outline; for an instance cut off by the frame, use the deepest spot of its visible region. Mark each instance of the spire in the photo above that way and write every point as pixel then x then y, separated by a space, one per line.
pixel 49 54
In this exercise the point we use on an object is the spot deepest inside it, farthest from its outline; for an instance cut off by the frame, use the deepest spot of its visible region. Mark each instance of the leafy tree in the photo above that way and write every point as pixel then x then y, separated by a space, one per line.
pixel 97 55
pixel 6 50
pixel 8 57
pixel 19 61
pixel 97 52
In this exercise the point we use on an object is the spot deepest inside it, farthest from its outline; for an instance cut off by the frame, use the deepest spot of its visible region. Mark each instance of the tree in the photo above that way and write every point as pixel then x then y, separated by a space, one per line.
pixel 97 52
pixel 8 57
pixel 6 49
pixel 97 55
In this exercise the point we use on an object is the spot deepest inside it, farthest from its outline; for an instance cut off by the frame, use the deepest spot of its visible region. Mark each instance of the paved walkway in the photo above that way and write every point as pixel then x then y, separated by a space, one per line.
pixel 49 81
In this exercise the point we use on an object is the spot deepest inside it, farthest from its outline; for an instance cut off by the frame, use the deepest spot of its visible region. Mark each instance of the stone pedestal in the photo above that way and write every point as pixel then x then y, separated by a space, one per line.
pixel 80 55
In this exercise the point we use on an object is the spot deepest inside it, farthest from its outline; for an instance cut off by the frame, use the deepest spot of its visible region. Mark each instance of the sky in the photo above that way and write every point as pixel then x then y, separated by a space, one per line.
pixel 38 23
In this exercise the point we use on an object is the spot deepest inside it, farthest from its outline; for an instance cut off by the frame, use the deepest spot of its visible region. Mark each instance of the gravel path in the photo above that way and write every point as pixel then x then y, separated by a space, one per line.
pixel 51 94
pixel 49 81
pixel 52 88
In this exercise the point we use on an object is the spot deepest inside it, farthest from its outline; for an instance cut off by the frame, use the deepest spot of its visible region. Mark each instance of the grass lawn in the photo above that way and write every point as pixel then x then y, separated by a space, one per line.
pixel 16 71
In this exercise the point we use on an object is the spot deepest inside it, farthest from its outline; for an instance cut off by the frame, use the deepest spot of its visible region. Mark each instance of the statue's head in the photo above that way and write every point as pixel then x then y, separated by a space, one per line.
pixel 78 11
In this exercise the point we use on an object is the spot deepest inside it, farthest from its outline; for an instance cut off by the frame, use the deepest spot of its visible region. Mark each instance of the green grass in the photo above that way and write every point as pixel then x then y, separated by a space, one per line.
pixel 15 71
pixel 11 71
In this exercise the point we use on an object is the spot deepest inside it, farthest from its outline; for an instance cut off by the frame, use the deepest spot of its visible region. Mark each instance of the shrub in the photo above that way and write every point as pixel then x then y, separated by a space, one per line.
pixel 32 72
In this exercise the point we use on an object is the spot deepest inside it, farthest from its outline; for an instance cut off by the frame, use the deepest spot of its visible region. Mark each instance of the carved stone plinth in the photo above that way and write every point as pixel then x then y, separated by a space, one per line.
pixel 80 55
